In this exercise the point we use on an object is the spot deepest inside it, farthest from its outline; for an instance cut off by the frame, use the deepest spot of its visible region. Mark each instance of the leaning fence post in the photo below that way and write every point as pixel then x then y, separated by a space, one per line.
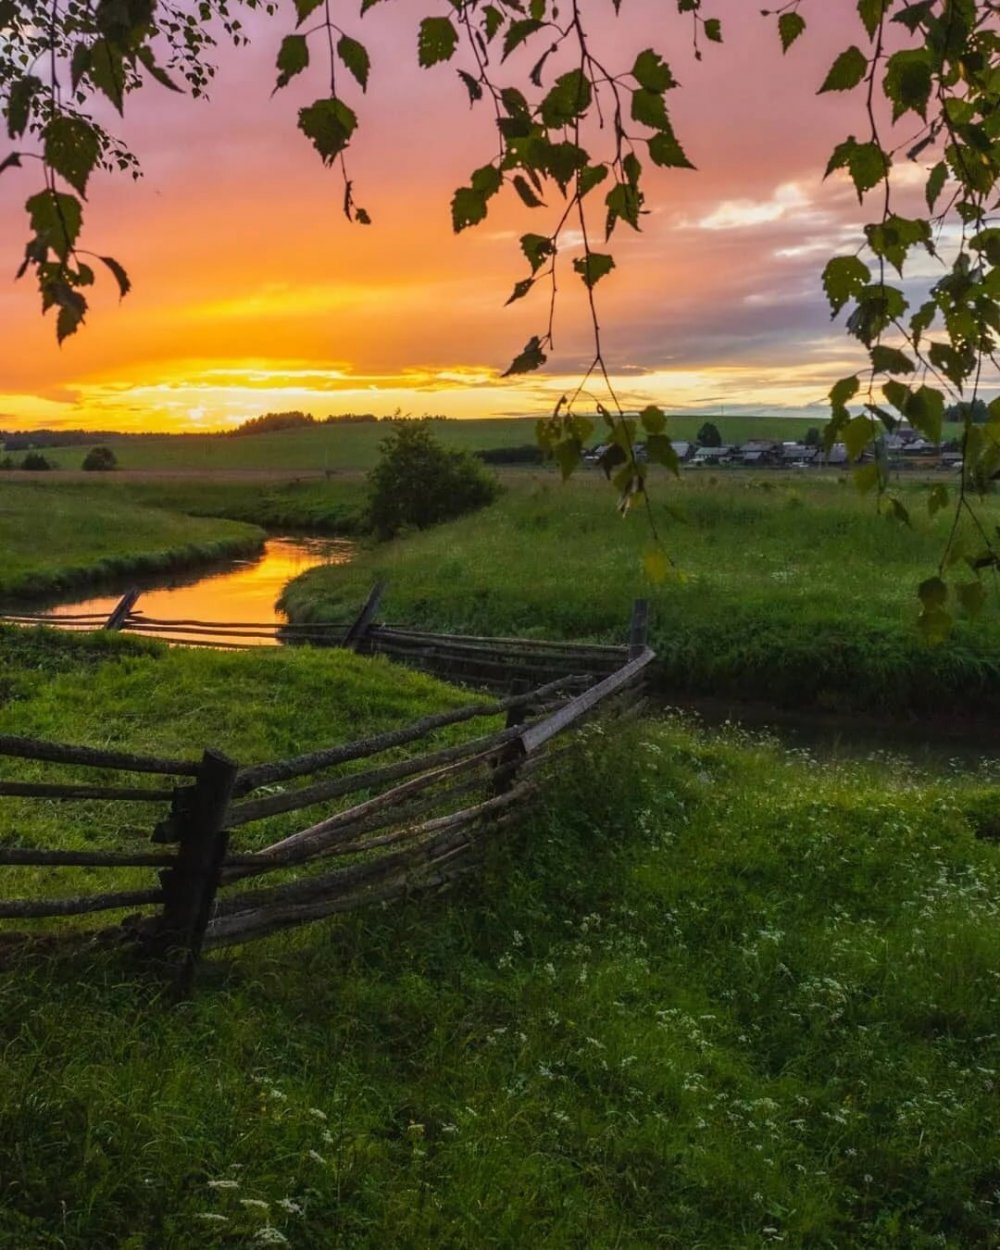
pixel 119 613
pixel 511 755
pixel 638 628
pixel 189 887
pixel 358 629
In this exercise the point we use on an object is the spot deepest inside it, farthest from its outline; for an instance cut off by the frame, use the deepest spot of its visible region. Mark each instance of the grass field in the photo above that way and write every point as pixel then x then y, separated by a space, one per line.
pixel 714 995
pixel 795 591
pixel 53 539
pixel 352 447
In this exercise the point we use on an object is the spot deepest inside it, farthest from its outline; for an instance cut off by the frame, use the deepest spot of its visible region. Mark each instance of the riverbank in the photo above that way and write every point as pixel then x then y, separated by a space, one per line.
pixel 790 593
pixel 53 539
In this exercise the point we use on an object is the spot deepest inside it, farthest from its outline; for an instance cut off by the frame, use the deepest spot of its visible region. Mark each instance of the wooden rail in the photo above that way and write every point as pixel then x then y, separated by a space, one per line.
pixel 409 824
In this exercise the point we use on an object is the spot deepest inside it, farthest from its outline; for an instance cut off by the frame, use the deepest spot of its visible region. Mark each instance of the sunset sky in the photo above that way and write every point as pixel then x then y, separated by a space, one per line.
pixel 253 293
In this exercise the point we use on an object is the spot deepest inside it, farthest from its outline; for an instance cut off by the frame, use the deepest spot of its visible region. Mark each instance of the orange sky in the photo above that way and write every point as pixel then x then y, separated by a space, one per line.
pixel 252 293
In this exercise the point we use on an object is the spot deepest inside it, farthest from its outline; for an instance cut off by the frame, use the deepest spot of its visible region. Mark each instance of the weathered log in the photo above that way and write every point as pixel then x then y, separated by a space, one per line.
pixel 42 790
pixel 293 800
pixel 84 859
pixel 34 908
pixel 122 608
pixel 89 757
pixel 301 765
pixel 539 644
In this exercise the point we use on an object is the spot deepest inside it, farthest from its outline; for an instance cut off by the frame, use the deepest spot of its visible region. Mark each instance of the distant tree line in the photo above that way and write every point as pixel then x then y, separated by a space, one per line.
pixel 270 422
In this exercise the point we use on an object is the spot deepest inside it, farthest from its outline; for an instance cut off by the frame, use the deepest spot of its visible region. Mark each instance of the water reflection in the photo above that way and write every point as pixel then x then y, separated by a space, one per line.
pixel 239 592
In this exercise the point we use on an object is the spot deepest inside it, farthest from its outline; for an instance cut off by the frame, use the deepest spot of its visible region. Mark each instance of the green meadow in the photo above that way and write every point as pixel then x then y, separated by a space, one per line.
pixel 713 991
pixel 788 589
pixel 347 447
pixel 54 539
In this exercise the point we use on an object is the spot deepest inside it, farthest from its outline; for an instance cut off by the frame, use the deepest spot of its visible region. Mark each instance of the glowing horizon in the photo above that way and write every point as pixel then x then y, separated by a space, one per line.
pixel 252 294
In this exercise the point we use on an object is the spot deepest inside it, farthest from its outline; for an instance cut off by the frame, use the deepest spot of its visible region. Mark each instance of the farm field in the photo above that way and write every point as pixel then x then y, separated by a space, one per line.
pixel 791 589
pixel 341 448
pixel 636 1028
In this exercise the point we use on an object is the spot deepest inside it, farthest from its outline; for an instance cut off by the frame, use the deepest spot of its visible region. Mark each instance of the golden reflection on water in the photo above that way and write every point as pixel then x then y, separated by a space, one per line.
pixel 243 592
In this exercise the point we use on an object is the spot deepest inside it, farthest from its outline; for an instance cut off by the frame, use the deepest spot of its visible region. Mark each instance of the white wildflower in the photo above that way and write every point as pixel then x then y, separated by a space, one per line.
pixel 256 1204
pixel 290 1206
pixel 268 1235
pixel 223 1184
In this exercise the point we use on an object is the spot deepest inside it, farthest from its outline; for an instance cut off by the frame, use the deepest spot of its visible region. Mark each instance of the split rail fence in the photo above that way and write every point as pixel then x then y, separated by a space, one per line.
pixel 235 862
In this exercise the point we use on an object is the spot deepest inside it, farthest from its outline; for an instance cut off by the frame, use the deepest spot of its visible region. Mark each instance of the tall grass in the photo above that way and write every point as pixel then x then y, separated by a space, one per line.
pixel 52 539
pixel 790 591
pixel 711 995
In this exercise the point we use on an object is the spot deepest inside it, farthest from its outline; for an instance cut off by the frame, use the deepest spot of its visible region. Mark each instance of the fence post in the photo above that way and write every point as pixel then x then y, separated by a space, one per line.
pixel 358 629
pixel 122 608
pixel 638 628
pixel 189 887
pixel 512 754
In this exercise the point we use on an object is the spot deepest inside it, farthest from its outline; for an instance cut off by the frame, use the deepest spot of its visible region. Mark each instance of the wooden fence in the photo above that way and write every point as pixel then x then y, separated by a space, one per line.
pixel 380 826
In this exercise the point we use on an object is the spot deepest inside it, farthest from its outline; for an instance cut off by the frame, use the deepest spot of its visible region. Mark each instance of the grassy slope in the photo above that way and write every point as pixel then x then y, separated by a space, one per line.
pixel 638 1030
pixel 356 446
pixel 55 538
pixel 796 591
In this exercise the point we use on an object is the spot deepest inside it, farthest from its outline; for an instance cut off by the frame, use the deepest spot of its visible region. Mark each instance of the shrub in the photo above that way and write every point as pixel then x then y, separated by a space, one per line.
pixel 34 460
pixel 100 459
pixel 418 483
pixel 709 436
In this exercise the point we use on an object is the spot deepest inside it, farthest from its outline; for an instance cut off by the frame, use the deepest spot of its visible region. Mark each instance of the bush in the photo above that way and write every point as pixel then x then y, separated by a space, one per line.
pixel 34 460
pixel 418 483
pixel 100 459
pixel 709 436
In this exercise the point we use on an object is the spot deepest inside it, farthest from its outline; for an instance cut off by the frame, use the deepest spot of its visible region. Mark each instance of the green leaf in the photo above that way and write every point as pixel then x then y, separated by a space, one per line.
pixel 472 85
pixel 303 8
pixel 890 360
pixel 293 58
pixel 846 72
pixel 71 149
pixel 329 124
pixel 468 208
pixel 120 276
pixel 937 499
pixel 517 32
pixel 146 56
pixel 11 161
pixel 955 365
pixel 866 163
pixel 844 278
pixel 487 180
pixel 936 180
pixel 651 72
pixel 660 450
pixel 356 59
pixel 857 434
pixel 648 109
pixel 866 477
pixel 590 177
pixel 790 27
pixel 923 408
pixel 437 41
pixel 492 21
pixel 107 71
pixel 537 248
pixel 844 390
pixel 894 236
pixel 523 189
pixel 935 624
pixel 933 593
pixel 653 419
pixel 531 358
pixel 520 290
pixel 908 82
pixel 19 98
pixel 56 220
pixel 665 151
pixel 72 307
pixel 655 565
pixel 713 29
pixel 877 308
pixel 625 203
pixel 593 267
pixel 569 98
pixel 567 455
pixel 871 13
pixel 894 510
pixel 971 597
pixel 79 64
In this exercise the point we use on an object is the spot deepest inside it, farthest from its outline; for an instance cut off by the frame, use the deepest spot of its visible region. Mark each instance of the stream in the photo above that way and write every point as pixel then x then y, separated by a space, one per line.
pixel 235 592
